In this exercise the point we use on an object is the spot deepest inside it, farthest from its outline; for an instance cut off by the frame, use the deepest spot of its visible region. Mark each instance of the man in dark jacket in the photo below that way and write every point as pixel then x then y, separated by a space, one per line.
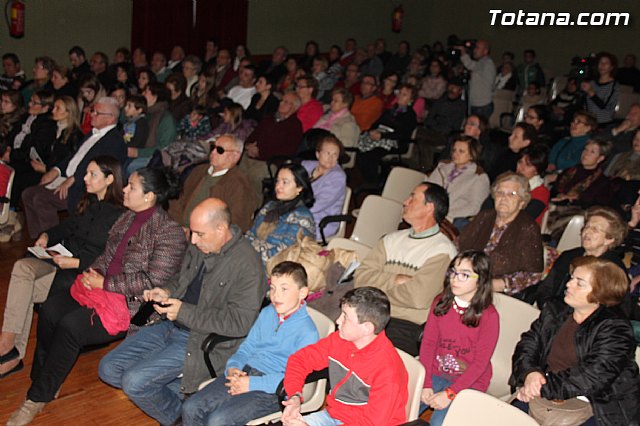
pixel 219 289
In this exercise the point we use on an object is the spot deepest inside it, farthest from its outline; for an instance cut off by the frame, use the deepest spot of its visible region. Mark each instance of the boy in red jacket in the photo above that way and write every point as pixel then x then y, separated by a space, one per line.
pixel 368 377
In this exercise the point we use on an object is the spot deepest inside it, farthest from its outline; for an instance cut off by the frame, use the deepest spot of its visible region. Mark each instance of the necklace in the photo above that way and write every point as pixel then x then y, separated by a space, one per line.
pixel 459 306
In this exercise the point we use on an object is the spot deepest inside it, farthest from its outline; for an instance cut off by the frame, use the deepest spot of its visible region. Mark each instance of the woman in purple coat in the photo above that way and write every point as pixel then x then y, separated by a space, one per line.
pixel 329 182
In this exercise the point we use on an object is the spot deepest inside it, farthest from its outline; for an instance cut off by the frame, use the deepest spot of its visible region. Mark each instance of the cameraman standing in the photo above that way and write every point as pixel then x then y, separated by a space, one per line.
pixel 483 74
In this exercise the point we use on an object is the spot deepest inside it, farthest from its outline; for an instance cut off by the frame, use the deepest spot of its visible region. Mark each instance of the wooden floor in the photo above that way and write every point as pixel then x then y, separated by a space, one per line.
pixel 84 399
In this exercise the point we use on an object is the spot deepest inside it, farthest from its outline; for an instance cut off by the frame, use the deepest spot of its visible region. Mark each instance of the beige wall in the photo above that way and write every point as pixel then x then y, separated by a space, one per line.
pixel 273 22
pixel 53 26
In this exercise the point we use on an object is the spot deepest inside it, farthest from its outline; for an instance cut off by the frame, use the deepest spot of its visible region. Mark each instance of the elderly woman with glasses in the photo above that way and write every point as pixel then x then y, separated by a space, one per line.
pixel 508 235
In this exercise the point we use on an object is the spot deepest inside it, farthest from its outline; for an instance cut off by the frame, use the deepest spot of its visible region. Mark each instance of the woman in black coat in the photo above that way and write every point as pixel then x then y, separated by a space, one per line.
pixel 582 347
pixel 84 233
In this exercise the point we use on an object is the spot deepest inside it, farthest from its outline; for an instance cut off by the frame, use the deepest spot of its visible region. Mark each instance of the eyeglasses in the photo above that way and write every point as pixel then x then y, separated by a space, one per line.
pixel 220 149
pixel 94 112
pixel 508 194
pixel 461 276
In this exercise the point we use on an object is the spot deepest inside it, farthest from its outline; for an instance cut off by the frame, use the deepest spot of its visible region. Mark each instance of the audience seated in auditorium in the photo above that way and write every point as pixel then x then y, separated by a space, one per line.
pixel 623 134
pixel 159 66
pixel 143 251
pixel 98 64
pixel 410 265
pixel 628 74
pixel 351 80
pixel 325 80
pixel 62 82
pixel 532 162
pixel 191 66
pixel 62 187
pixel 508 235
pixel 255 370
pixel 84 234
pixel 434 83
pixel 148 365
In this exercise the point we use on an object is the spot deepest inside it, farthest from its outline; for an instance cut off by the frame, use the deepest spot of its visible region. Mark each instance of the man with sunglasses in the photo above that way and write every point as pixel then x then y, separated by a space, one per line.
pixel 409 265
pixel 219 179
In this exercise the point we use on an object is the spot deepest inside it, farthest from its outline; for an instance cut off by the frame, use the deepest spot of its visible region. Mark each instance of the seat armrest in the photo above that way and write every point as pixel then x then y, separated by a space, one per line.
pixel 331 219
pixel 207 347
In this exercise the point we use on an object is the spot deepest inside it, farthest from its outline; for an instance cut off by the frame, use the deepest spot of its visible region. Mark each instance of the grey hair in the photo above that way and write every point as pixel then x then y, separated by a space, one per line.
pixel 524 193
pixel 297 103
pixel 237 142
pixel 195 61
pixel 112 104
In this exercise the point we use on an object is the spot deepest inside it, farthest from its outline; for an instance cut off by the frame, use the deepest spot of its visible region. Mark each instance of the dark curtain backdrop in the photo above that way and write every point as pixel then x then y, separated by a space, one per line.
pixel 161 24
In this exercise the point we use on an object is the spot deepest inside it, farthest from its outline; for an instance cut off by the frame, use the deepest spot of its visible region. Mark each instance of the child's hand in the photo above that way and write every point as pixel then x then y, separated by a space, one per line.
pixel 291 413
pixel 439 401
pixel 427 393
pixel 237 384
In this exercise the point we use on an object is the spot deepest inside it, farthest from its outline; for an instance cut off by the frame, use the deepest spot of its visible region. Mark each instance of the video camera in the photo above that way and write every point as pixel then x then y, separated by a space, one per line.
pixel 583 68
pixel 453 53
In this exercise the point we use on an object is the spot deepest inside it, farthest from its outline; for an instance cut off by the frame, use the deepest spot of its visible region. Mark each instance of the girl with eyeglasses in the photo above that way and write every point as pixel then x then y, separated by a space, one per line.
pixel 460 335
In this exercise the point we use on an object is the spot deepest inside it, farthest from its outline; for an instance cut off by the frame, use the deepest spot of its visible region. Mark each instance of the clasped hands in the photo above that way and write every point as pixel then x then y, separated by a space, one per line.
pixel 237 381
pixel 437 400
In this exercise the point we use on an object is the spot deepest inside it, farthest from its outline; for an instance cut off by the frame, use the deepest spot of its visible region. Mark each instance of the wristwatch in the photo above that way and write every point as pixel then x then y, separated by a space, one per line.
pixel 450 394
pixel 299 395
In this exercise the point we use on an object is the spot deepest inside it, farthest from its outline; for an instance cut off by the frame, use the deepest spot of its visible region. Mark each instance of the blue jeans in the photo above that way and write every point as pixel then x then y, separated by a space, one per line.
pixel 438 384
pixel 321 418
pixel 214 406
pixel 146 367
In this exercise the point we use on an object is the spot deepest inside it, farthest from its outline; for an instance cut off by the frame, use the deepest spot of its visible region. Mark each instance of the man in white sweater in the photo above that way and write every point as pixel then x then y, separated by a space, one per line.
pixel 410 265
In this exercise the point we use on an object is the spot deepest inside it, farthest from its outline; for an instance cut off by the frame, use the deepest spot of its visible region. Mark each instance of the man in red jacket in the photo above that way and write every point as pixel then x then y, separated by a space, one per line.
pixel 369 379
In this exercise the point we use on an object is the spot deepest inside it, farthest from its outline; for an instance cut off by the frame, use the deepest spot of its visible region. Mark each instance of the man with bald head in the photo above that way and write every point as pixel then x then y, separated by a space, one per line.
pixel 219 289
pixel 483 74
pixel 219 179
pixel 62 187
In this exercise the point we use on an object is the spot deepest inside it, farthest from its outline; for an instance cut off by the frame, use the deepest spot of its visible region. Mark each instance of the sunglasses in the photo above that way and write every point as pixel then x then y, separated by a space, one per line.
pixel 221 150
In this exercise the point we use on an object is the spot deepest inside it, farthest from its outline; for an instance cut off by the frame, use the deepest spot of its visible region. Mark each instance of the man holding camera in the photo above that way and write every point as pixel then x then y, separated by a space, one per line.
pixel 483 74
